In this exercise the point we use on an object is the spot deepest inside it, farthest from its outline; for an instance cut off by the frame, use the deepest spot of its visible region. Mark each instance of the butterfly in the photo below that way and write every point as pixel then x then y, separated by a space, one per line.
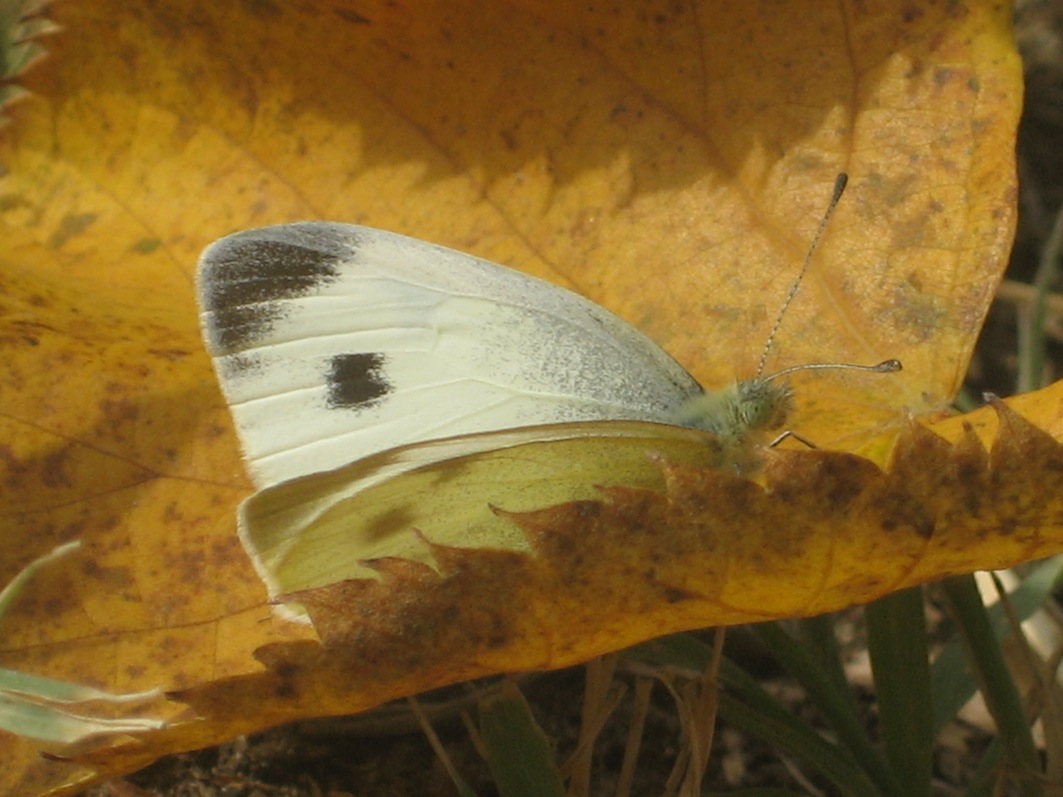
pixel 387 391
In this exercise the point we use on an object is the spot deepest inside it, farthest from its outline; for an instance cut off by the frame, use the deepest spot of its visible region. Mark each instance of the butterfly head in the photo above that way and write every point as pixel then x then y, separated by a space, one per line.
pixel 762 405
pixel 734 412
pixel 737 413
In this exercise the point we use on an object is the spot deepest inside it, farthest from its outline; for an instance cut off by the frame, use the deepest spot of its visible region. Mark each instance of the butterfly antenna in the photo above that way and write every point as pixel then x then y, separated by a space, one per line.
pixel 884 367
pixel 839 189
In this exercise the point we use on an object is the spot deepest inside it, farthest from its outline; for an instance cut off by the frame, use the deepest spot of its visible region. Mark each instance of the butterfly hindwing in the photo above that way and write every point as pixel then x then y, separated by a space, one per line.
pixel 323 528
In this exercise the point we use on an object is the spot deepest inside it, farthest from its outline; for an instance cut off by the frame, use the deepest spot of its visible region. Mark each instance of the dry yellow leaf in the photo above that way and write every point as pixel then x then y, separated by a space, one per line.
pixel 670 162
pixel 710 548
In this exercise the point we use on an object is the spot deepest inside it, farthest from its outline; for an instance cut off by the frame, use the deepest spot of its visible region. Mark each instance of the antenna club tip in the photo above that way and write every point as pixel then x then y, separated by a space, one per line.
pixel 840 182
pixel 889 366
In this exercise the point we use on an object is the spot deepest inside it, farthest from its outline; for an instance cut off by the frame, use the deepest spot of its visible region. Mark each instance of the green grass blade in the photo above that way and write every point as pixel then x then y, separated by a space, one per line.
pixel 898 644
pixel 836 704
pixel 788 733
pixel 998 687
pixel 518 753
pixel 952 683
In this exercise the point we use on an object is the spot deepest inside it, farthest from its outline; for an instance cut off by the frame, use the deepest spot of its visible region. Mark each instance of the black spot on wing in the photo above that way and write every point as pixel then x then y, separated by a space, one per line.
pixel 245 278
pixel 357 381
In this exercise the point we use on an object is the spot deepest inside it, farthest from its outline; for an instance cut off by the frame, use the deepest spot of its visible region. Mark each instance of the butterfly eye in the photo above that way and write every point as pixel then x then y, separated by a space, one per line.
pixel 762 405
pixel 736 413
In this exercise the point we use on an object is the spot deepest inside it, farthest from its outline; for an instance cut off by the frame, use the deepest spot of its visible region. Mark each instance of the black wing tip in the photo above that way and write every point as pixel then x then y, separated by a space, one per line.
pixel 244 279
pixel 327 237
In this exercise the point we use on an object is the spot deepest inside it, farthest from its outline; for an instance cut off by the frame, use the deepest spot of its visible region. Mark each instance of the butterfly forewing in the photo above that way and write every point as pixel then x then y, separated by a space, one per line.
pixel 333 342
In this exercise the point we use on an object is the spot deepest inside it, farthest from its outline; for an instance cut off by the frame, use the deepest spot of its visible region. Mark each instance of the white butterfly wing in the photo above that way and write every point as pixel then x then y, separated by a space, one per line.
pixel 333 342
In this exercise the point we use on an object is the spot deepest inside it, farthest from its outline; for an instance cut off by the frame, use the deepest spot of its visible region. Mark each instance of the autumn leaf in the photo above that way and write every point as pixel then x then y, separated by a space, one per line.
pixel 670 164
pixel 687 556
pixel 46 709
